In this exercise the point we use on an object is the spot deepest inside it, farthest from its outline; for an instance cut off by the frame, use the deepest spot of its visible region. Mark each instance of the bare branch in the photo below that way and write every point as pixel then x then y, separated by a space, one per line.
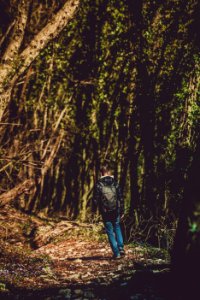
pixel 18 32
pixel 49 32
pixel 16 191
pixel 53 132
pixel 52 155
pixel 7 32
pixel 19 62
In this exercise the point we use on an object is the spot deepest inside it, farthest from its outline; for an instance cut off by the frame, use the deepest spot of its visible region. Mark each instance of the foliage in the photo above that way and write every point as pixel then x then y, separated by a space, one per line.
pixel 126 76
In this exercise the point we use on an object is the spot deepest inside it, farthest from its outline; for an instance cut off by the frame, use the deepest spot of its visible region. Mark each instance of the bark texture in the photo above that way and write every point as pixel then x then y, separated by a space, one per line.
pixel 14 62
pixel 12 194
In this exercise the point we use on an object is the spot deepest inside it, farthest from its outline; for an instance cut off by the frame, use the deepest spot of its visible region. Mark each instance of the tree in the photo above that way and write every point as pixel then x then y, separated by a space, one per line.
pixel 122 70
pixel 185 255
pixel 15 60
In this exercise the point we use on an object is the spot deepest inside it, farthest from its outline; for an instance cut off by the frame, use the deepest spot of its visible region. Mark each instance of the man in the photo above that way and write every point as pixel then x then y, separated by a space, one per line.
pixel 108 197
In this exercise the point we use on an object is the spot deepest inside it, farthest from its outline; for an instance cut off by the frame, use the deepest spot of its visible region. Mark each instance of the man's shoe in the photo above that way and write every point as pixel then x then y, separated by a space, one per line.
pixel 116 257
pixel 122 252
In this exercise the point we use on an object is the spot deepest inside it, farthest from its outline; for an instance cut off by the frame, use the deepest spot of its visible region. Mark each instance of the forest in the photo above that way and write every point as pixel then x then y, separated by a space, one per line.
pixel 84 82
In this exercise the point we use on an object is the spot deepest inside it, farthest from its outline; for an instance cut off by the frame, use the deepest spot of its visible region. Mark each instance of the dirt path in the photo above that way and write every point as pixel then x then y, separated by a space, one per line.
pixel 59 259
pixel 78 261
pixel 82 270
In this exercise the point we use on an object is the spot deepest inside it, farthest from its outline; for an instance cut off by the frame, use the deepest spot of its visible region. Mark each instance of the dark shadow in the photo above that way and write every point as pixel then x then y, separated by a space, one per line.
pixel 88 258
pixel 145 283
pixel 151 267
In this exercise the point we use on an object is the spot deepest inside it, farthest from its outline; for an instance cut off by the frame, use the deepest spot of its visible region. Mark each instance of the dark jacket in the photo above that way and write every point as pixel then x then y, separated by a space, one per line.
pixel 108 180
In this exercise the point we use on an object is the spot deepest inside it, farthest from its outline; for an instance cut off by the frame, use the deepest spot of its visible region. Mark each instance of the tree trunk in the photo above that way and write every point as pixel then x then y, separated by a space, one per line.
pixel 15 63
pixel 186 252
pixel 21 188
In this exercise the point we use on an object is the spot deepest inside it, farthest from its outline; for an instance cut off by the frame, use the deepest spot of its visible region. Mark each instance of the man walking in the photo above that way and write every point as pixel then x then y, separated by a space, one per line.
pixel 108 197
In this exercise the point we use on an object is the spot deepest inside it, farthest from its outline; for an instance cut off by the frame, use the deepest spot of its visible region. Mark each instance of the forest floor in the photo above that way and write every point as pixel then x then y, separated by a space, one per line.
pixel 59 259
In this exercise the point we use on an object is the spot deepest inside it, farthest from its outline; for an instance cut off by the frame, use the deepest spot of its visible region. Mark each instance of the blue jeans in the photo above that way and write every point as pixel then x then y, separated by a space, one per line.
pixel 114 233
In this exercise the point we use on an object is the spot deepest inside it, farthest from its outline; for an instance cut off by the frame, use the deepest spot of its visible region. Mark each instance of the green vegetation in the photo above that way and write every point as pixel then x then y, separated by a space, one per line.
pixel 121 83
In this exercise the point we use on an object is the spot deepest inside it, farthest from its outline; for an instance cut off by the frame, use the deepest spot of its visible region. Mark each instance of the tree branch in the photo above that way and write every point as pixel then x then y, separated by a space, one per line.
pixel 19 62
pixel 18 32
pixel 16 191
pixel 49 32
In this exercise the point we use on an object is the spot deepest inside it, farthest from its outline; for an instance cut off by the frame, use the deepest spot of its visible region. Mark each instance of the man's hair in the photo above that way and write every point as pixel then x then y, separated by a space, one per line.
pixel 105 168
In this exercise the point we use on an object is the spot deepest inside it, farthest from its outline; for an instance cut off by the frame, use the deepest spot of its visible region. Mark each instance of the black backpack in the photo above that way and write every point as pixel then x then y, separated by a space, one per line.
pixel 109 197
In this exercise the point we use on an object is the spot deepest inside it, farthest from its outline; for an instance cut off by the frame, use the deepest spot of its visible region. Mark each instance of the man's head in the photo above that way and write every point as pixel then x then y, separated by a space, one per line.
pixel 105 170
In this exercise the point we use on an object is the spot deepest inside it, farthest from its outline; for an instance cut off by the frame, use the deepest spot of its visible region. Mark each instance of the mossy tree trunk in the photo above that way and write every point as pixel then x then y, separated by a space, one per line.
pixel 185 255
